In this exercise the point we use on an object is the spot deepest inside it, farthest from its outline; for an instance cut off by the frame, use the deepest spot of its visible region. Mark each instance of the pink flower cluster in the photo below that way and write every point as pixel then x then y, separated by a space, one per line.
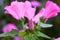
pixel 19 10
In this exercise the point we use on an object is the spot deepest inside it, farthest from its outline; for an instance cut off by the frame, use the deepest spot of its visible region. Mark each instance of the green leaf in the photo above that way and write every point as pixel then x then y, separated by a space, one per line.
pixel 26 38
pixel 22 33
pixel 11 34
pixel 33 38
pixel 29 38
pixel 52 38
pixel 20 27
pixel 40 34
pixel 43 25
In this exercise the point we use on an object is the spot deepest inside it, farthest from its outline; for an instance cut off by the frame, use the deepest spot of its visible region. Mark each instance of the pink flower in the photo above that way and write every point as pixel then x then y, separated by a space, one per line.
pixel 24 9
pixel 31 25
pixel 30 12
pixel 9 27
pixel 18 38
pixel 16 10
pixel 57 38
pixel 51 10
pixel 35 3
pixel 30 15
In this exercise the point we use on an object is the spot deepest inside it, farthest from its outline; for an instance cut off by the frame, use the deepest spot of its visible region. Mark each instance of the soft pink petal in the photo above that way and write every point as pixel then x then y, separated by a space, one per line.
pixel 50 4
pixel 59 9
pixel 30 13
pixel 11 12
pixel 50 7
pixel 20 6
pixel 57 38
pixel 27 4
pixel 18 38
pixel 4 30
pixel 9 28
pixel 36 19
pixel 31 25
pixel 52 14
pixel 35 3
pixel 21 31
pixel 16 9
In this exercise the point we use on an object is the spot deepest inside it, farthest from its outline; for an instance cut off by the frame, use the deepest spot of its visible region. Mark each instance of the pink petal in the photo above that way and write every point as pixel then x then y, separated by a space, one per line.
pixel 27 4
pixel 52 14
pixel 30 13
pixel 18 38
pixel 36 19
pixel 16 9
pixel 50 7
pixel 35 3
pixel 57 38
pixel 11 12
pixel 20 6
pixel 21 31
pixel 31 25
pixel 9 27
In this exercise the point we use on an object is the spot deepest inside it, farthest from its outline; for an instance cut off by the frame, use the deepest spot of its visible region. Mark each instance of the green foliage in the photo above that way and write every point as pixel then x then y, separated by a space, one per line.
pixel 29 38
pixel 11 34
pixel 44 25
pixel 40 34
pixel 33 35
pixel 22 34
